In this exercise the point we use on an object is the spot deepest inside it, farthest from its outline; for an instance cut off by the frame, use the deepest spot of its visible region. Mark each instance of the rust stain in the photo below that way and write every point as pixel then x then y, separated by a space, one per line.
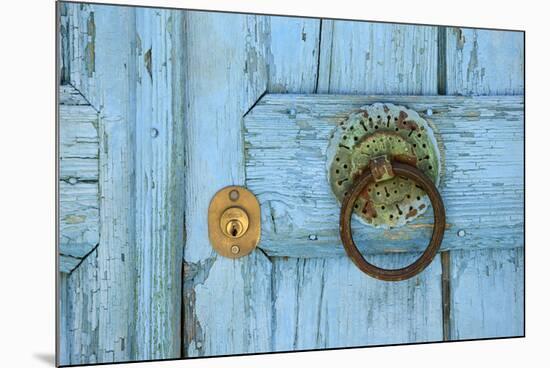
pixel 406 159
pixel 368 210
pixel 411 213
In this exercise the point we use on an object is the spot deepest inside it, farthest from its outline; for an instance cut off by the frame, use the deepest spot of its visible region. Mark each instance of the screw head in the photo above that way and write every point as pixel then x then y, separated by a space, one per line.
pixel 234 195
pixel 235 249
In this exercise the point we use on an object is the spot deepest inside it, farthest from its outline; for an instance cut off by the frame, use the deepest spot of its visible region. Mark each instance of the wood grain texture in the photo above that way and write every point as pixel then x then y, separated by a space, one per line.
pixel 159 178
pixel 327 303
pixel 124 300
pixel 482 183
pixel 226 301
pixel 293 54
pixel 487 293
pixel 78 178
pixel 377 58
pixel 484 62
pixel 101 323
pixel 486 287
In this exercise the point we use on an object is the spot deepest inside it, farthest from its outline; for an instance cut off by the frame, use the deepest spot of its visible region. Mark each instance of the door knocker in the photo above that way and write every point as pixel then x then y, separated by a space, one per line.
pixel 384 166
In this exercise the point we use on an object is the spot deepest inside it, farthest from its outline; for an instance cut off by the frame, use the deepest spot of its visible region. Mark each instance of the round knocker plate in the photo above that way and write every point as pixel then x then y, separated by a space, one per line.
pixel 401 135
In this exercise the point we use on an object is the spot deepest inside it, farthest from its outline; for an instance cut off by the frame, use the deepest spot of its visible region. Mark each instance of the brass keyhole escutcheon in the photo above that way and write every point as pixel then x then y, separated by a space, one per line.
pixel 234 222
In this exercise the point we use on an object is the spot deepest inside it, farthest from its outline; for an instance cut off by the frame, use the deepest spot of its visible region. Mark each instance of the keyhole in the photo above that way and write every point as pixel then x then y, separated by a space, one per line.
pixel 234 228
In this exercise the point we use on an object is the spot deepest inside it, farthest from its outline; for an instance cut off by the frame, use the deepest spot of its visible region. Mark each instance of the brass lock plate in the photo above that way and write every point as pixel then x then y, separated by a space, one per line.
pixel 388 130
pixel 234 222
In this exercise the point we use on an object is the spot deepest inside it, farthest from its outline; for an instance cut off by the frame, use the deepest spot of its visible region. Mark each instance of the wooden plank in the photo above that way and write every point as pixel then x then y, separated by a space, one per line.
pixel 226 300
pixel 486 287
pixel 487 293
pixel 378 58
pixel 328 303
pixel 78 178
pixel 484 62
pixel 159 185
pixel 101 324
pixel 134 79
pixel 482 185
pixel 293 51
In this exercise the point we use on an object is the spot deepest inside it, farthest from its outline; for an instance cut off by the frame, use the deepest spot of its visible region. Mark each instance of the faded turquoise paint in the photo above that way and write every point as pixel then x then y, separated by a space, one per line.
pixel 171 88
pixel 487 286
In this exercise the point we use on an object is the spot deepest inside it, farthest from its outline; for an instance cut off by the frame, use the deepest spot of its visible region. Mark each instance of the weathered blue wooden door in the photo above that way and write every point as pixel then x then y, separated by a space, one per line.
pixel 178 104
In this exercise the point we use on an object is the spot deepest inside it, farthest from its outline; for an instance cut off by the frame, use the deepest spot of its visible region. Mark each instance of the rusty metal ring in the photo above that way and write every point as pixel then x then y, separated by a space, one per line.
pixel 410 172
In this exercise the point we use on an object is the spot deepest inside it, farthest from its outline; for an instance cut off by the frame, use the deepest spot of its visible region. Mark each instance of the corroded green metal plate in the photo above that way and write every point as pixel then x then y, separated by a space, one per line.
pixel 373 131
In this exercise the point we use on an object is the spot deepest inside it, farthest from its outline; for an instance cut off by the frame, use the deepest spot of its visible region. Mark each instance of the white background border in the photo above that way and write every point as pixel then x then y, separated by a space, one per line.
pixel 27 182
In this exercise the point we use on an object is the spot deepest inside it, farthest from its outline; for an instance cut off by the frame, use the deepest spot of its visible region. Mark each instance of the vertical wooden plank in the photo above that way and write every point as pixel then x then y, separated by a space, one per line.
pixel 225 300
pixel 159 178
pixel 487 293
pixel 124 301
pixel 62 341
pixel 101 323
pixel 484 62
pixel 378 58
pixel 330 303
pixel 293 54
pixel 486 286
